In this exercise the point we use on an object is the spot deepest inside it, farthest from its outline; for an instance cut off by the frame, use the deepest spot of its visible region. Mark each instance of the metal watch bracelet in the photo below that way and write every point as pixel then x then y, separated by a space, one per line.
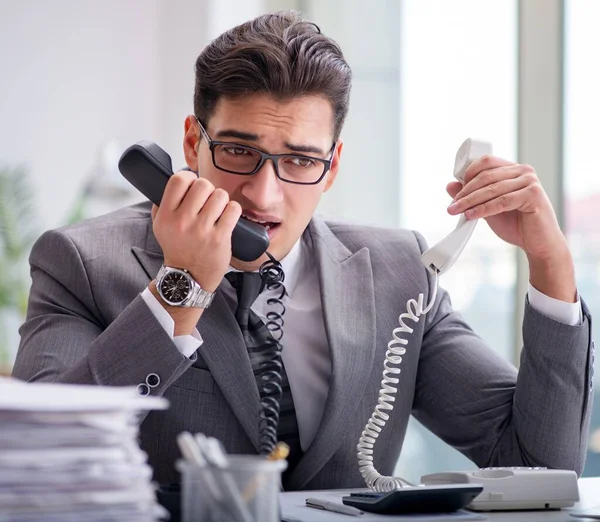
pixel 198 297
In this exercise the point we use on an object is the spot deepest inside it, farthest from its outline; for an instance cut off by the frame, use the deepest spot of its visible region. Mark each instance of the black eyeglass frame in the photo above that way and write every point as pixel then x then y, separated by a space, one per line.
pixel 264 156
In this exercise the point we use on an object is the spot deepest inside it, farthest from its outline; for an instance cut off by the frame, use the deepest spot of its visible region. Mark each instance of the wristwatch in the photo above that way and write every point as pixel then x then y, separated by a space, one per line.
pixel 177 287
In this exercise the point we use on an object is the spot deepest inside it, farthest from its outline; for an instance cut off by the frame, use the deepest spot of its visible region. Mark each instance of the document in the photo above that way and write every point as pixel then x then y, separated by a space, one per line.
pixel 70 452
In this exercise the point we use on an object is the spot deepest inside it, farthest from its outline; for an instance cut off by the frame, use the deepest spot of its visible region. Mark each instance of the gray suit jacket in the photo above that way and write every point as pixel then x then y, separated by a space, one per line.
pixel 87 323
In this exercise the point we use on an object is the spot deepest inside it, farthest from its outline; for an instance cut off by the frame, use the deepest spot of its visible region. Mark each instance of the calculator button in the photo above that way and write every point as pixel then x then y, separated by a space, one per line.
pixel 366 495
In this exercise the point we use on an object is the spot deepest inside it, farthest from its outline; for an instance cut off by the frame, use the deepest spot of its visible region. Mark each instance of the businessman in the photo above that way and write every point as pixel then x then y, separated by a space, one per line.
pixel 151 297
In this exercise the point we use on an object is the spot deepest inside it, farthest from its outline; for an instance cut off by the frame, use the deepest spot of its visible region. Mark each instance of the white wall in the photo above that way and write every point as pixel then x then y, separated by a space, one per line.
pixel 75 75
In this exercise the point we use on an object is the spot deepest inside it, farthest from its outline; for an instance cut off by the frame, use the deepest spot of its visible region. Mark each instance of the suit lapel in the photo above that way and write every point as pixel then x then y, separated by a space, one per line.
pixel 348 301
pixel 223 349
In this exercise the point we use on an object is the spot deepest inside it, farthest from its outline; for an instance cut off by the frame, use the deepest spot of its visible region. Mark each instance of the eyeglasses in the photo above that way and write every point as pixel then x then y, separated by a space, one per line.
pixel 244 160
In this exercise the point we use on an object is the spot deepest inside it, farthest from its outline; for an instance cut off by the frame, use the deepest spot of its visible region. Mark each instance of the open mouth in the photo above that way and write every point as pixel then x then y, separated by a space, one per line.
pixel 270 226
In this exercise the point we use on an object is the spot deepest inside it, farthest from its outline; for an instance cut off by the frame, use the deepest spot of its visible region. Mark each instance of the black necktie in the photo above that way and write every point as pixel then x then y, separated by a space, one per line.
pixel 248 286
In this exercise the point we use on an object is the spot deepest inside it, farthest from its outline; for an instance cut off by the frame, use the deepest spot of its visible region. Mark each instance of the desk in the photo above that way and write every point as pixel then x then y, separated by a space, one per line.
pixel 589 493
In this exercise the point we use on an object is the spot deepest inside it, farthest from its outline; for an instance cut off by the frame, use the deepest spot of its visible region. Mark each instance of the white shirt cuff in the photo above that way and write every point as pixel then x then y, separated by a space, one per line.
pixel 186 344
pixel 561 311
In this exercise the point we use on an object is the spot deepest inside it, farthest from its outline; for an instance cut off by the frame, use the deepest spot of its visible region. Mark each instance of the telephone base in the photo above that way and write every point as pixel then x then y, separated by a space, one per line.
pixel 515 488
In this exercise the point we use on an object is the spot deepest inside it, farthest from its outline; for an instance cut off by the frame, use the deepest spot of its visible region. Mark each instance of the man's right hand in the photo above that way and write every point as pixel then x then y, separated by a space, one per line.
pixel 193 226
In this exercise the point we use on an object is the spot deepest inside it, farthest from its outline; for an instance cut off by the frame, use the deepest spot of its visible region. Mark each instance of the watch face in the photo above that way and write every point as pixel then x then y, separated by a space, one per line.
pixel 175 287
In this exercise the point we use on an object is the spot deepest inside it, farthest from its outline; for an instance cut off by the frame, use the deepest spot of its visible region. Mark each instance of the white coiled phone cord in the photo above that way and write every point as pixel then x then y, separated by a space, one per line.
pixel 393 356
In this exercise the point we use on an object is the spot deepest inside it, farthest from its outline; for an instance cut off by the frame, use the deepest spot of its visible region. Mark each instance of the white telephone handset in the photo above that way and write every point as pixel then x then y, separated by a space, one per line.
pixel 444 254
pixel 438 259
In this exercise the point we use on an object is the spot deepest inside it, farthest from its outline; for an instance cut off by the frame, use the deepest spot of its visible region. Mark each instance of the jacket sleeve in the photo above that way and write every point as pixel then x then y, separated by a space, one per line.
pixel 65 339
pixel 477 402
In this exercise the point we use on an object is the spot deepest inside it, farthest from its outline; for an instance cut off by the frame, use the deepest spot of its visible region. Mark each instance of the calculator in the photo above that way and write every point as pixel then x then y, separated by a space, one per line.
pixel 415 500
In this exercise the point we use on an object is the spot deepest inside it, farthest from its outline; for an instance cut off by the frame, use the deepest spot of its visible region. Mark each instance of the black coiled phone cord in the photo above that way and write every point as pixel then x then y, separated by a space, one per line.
pixel 271 273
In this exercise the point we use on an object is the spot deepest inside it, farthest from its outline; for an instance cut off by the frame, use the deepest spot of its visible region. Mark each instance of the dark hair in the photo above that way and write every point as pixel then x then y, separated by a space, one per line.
pixel 281 54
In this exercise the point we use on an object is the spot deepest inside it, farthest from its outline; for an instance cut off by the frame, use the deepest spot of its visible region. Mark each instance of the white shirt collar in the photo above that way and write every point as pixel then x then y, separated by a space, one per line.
pixel 292 264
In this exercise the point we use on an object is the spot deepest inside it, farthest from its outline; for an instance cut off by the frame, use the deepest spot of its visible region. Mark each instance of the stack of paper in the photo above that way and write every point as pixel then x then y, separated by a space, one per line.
pixel 70 453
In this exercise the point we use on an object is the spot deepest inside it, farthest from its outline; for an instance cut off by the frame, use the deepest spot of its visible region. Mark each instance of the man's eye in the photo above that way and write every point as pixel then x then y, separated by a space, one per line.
pixel 236 151
pixel 302 162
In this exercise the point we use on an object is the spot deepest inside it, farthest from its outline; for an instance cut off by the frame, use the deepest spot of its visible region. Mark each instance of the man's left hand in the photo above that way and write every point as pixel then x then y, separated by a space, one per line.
pixel 510 197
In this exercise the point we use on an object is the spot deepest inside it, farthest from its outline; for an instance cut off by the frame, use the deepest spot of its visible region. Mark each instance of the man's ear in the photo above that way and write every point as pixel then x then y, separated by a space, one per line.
pixel 190 142
pixel 335 165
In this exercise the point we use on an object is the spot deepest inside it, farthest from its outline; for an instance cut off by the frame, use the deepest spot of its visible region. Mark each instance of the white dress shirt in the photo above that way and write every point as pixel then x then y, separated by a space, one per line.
pixel 306 355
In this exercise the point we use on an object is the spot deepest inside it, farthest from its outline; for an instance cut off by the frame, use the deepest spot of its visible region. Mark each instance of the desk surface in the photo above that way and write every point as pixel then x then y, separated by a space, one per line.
pixel 589 493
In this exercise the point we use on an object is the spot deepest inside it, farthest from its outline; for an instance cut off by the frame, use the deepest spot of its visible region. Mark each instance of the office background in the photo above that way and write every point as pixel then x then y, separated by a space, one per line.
pixel 83 80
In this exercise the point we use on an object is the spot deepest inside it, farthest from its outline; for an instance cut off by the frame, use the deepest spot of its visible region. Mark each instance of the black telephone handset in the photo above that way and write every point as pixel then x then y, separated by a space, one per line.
pixel 148 168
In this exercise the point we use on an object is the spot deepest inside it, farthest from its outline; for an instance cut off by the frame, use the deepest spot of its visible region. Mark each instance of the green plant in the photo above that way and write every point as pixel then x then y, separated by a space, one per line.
pixel 18 232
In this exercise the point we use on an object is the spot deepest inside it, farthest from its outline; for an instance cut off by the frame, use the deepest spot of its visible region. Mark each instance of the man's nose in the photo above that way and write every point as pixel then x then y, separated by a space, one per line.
pixel 263 189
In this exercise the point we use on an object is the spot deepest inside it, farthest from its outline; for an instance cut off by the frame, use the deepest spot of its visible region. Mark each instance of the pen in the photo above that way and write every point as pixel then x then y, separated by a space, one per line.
pixel 333 506
pixel 215 456
pixel 192 453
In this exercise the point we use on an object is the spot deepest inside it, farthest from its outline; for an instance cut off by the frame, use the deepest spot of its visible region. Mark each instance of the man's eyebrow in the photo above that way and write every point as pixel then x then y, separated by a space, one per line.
pixel 305 148
pixel 248 136
pixel 232 133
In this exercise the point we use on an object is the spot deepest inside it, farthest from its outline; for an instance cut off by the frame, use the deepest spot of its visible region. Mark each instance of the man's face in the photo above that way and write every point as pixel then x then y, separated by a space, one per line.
pixel 301 125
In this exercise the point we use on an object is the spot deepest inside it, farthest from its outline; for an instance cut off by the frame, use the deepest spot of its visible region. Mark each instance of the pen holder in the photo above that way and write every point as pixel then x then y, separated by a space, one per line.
pixel 246 491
